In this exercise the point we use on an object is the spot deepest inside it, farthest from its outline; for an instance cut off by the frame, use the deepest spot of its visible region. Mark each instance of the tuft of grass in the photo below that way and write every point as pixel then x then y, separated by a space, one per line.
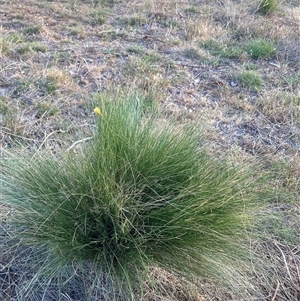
pixel 31 46
pixel 8 42
pixel 32 30
pixel 251 80
pixel 232 52
pixel 218 49
pixel 98 17
pixel 267 7
pixel 142 194
pixel 259 48
pixel 191 10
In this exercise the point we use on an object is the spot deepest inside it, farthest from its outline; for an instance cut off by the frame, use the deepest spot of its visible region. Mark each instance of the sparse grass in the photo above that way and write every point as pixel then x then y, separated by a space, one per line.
pixel 46 109
pixel 46 86
pixel 134 21
pixel 193 53
pixel 198 29
pixel 280 107
pixel 146 74
pixel 54 79
pixel 21 87
pixel 276 225
pixel 11 122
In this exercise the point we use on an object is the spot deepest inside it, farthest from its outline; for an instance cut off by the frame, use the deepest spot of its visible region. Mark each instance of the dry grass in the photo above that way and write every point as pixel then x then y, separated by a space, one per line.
pixel 55 55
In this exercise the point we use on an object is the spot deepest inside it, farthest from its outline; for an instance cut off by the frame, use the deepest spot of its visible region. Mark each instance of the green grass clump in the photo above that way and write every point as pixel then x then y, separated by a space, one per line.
pixel 98 17
pixel 251 80
pixel 31 46
pixel 32 30
pixel 141 194
pixel 260 48
pixel 218 49
pixel 214 47
pixel 267 7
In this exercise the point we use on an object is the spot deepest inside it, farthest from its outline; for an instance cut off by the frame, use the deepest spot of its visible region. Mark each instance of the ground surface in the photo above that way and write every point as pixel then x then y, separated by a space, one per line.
pixel 195 58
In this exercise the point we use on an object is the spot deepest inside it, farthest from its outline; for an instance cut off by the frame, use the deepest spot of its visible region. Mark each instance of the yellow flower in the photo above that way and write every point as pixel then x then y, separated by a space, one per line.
pixel 98 111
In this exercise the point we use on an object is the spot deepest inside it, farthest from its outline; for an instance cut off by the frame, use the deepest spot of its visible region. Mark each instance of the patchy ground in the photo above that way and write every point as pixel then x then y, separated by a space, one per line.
pixel 221 61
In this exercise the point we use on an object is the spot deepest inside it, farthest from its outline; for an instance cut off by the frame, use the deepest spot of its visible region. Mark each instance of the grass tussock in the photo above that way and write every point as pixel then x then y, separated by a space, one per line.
pixel 251 80
pixel 140 195
pixel 259 48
